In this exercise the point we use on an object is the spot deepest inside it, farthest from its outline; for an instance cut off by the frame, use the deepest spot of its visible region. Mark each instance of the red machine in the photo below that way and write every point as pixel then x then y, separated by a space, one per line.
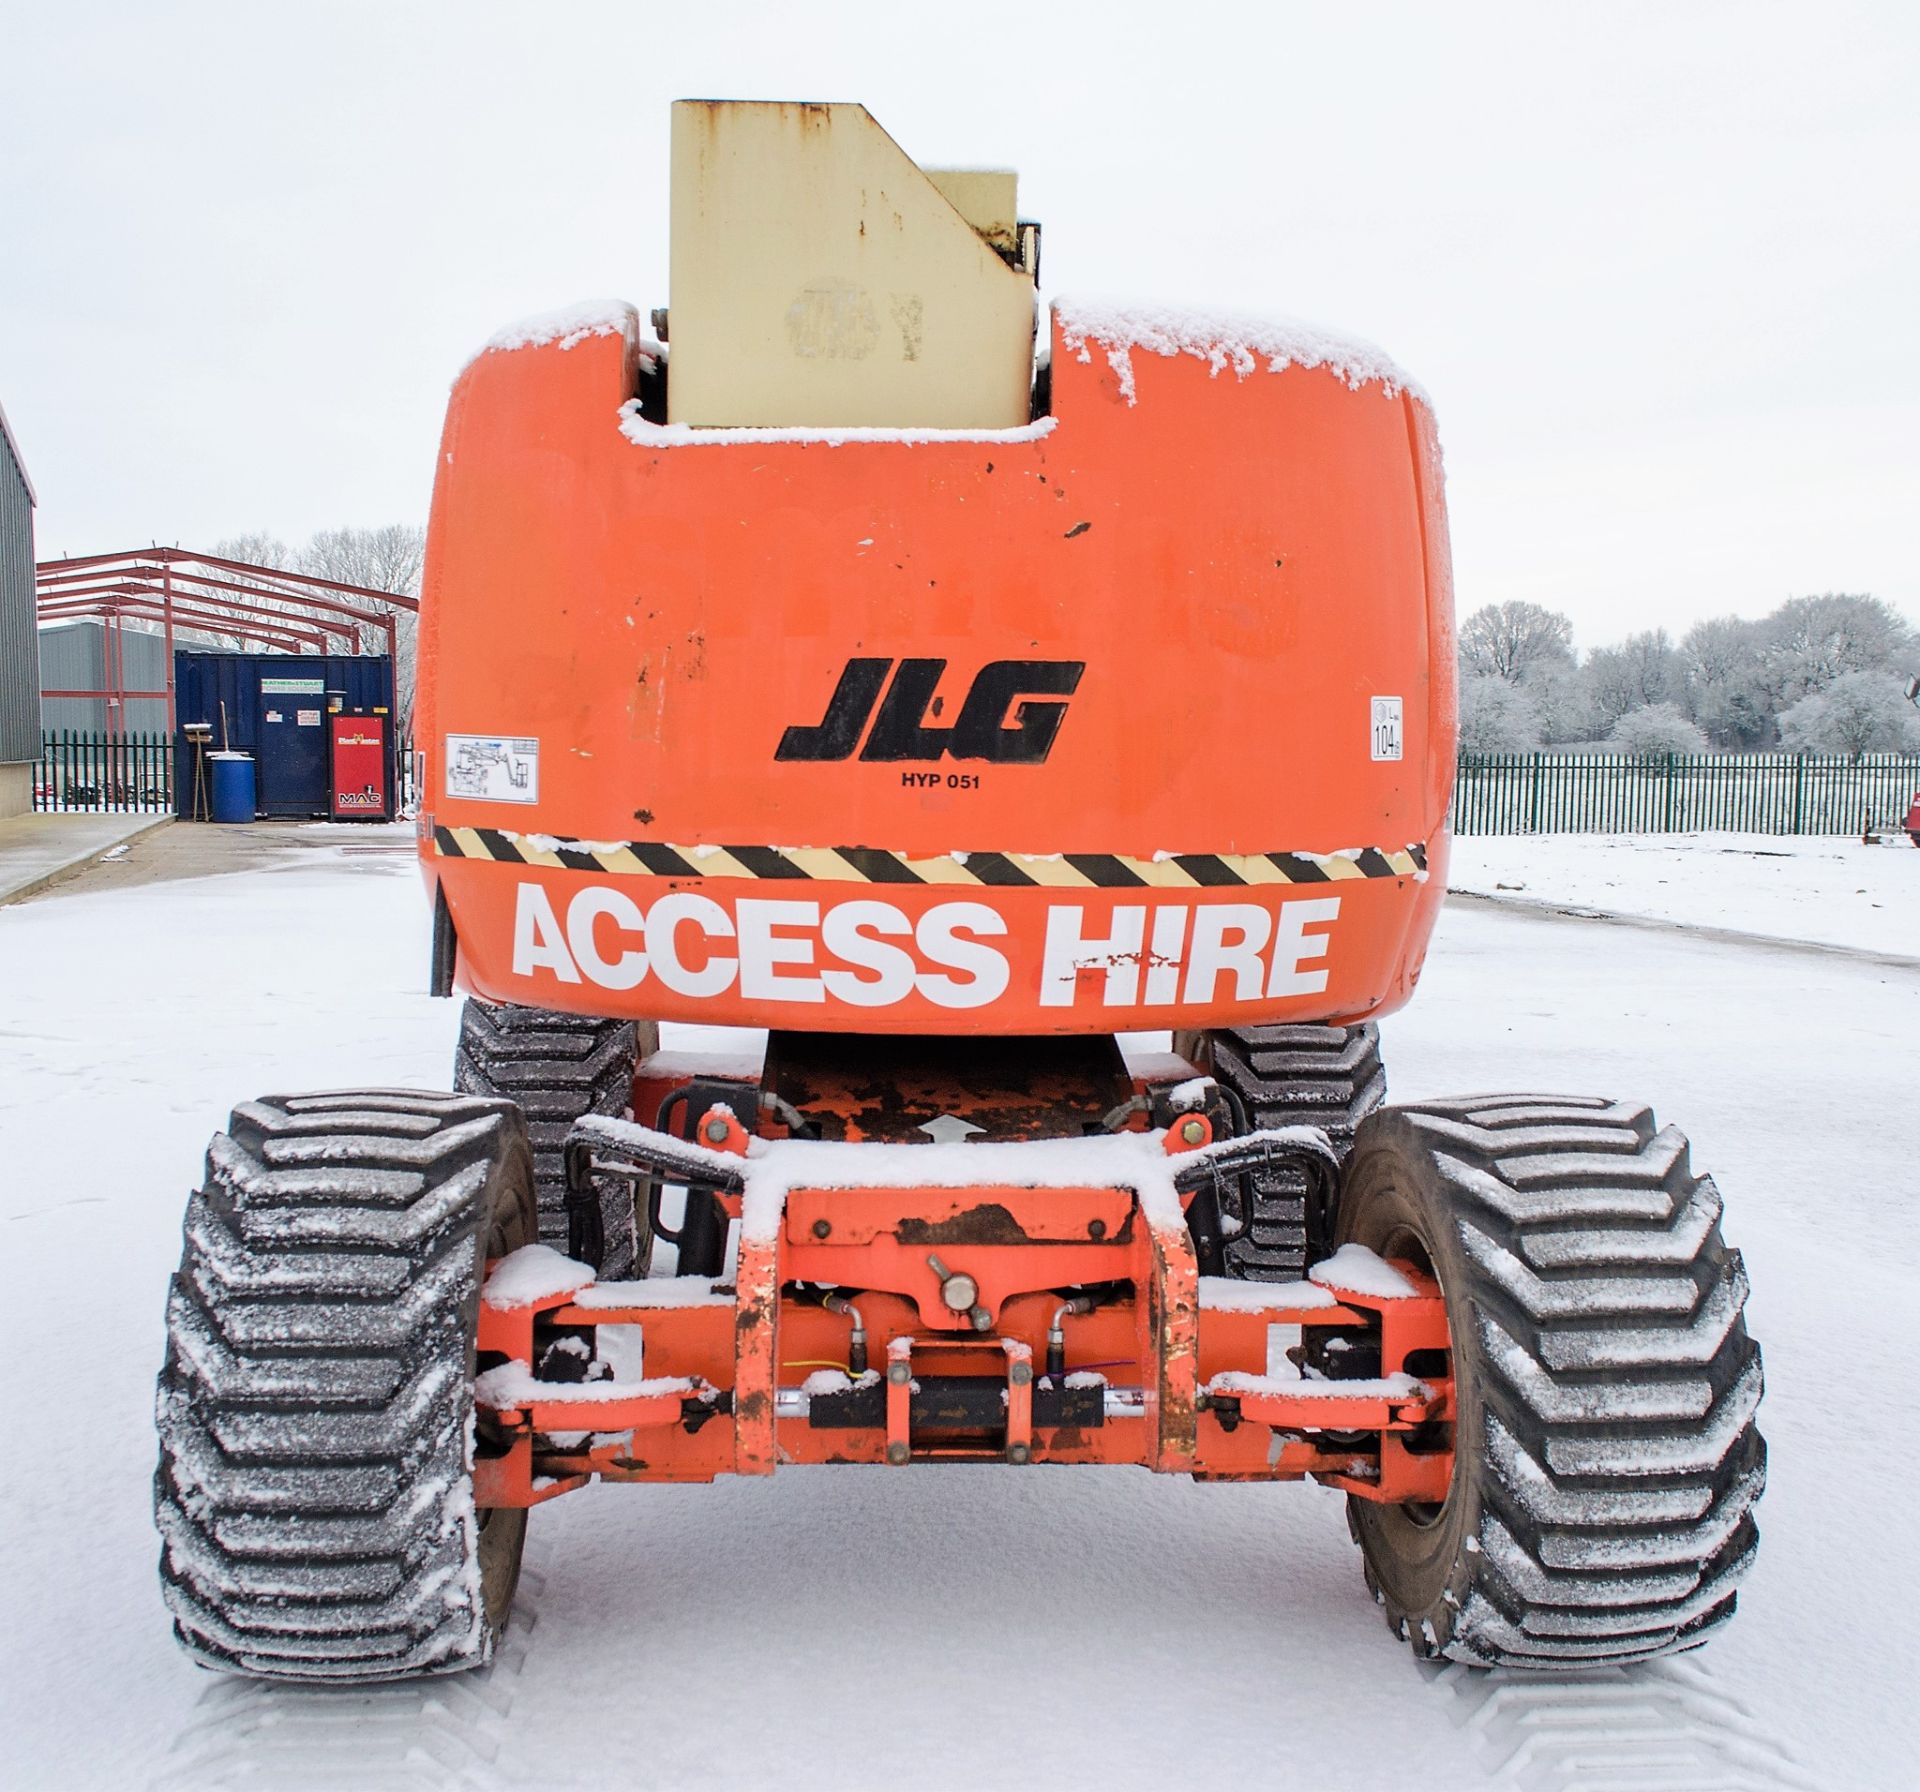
pixel 769 679
pixel 357 782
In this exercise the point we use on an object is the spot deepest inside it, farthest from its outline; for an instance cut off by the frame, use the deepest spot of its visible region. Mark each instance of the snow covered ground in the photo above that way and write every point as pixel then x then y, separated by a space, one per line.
pixel 1829 889
pixel 968 1627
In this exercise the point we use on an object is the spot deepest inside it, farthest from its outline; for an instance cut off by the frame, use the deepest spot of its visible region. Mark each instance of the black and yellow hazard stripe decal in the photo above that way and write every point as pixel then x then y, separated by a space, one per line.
pixel 869 865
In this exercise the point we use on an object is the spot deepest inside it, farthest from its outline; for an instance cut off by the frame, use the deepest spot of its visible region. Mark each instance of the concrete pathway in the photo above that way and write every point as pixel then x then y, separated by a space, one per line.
pixel 197 849
pixel 37 849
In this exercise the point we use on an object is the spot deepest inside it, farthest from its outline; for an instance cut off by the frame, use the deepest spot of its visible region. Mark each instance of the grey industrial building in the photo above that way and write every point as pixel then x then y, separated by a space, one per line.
pixel 73 657
pixel 19 644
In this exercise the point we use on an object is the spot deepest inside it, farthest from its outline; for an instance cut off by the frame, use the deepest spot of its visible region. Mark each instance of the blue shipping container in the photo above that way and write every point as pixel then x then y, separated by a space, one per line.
pixel 276 709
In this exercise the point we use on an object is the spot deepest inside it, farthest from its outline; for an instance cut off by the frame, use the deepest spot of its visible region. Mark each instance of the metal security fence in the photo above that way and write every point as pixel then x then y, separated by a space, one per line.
pixel 128 773
pixel 1613 793
pixel 1494 793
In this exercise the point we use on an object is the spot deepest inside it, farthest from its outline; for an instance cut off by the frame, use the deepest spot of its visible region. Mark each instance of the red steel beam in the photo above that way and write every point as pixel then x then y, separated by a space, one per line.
pixel 166 598
pixel 74 561
pixel 282 635
pixel 305 578
pixel 94 574
pixel 285 597
pixel 181 557
pixel 108 596
pixel 145 579
pixel 201 621
pixel 206 606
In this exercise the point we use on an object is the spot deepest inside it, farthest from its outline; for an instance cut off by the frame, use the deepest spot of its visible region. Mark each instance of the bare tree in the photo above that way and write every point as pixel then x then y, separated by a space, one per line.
pixel 383 559
pixel 1723 671
pixel 1644 669
pixel 1496 717
pixel 1560 701
pixel 1509 640
pixel 256 549
pixel 389 558
pixel 1811 641
pixel 1858 713
pixel 1656 729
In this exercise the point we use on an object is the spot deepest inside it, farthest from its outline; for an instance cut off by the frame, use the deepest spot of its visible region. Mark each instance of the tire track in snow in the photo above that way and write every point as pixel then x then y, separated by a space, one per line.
pixel 1661 1726
pixel 1544 908
pixel 434 1735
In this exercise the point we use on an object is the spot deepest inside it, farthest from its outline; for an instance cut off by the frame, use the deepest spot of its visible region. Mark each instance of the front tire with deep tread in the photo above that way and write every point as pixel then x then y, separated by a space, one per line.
pixel 315 1410
pixel 559 1067
pixel 1606 1456
pixel 1329 1077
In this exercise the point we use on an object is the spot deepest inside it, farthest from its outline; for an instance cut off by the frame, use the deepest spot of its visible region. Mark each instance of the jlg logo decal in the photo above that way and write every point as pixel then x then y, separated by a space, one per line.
pixel 868 953
pixel 999 721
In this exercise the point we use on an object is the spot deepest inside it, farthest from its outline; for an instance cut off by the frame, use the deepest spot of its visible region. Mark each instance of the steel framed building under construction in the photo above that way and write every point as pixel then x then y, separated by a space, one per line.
pixel 255 608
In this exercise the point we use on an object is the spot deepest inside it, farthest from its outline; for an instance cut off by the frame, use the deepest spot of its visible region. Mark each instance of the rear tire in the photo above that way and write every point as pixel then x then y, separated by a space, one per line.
pixel 1329 1077
pixel 558 1067
pixel 1606 1458
pixel 315 1411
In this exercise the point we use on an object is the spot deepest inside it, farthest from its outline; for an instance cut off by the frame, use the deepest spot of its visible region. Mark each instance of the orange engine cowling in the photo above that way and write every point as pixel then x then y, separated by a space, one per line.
pixel 1141 716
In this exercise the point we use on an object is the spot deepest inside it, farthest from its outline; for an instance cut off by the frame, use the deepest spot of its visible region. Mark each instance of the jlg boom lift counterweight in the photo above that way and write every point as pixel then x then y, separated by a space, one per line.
pixel 949 697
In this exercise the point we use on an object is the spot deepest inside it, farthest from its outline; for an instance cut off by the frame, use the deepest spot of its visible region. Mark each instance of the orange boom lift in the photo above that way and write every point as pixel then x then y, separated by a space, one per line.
pixel 968 705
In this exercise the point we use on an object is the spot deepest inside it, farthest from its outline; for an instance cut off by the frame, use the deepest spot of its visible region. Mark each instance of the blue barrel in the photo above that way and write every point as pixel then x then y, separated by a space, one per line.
pixel 232 786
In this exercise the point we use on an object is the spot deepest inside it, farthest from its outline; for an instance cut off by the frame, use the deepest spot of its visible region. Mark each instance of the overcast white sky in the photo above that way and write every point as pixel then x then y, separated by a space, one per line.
pixel 1659 265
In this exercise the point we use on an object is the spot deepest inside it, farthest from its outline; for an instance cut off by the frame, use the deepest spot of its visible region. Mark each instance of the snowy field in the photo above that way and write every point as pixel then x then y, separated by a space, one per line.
pixel 1830 889
pixel 964 1628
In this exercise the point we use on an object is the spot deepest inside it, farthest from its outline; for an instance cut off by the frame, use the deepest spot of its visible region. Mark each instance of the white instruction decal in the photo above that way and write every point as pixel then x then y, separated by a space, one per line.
pixel 1386 728
pixel 493 768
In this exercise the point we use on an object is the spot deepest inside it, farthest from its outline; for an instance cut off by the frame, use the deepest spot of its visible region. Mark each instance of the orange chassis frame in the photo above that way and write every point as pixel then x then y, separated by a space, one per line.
pixel 725 1392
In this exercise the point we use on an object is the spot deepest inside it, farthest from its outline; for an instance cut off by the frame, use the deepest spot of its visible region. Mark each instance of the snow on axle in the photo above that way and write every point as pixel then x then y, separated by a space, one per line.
pixel 859 563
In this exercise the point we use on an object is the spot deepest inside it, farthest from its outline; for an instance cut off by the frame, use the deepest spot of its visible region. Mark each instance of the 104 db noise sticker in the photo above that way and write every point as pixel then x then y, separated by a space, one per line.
pixel 869 953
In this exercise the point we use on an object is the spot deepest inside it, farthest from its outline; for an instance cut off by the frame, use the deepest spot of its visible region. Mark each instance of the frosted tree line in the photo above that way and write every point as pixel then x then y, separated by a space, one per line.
pixel 1826 674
